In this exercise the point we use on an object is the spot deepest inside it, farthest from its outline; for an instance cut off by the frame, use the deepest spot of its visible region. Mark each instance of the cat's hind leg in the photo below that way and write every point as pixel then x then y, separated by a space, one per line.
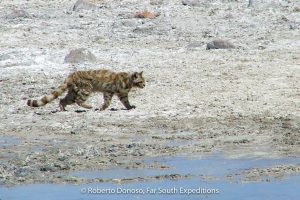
pixel 67 100
pixel 82 96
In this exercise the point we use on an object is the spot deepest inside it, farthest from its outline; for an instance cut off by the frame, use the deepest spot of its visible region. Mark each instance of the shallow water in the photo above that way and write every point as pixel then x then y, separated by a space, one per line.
pixel 275 190
pixel 215 166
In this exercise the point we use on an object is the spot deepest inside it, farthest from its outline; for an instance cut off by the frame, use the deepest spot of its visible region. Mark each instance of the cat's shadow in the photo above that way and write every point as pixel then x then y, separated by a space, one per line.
pixel 111 109
pixel 82 111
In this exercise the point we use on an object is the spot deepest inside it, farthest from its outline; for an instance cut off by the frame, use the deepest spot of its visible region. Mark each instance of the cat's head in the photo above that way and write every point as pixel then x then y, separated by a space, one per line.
pixel 138 79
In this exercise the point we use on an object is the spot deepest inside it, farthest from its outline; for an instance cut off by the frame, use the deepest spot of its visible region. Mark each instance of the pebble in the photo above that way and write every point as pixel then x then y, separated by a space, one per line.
pixel 191 2
pixel 219 44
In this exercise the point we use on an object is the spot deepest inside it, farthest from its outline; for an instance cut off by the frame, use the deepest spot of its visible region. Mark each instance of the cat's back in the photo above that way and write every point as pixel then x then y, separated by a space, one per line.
pixel 100 75
pixel 105 75
pixel 102 79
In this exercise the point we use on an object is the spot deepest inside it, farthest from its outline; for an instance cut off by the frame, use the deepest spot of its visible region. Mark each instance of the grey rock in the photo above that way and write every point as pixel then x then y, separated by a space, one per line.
pixel 296 9
pixel 17 14
pixel 24 171
pixel 84 5
pixel 219 44
pixel 62 158
pixel 79 56
pixel 191 2
pixel 62 166
pixel 48 168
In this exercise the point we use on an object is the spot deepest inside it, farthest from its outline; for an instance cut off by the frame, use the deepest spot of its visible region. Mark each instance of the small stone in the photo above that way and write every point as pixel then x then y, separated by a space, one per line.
pixel 62 158
pixel 84 5
pixel 296 9
pixel 24 171
pixel 79 56
pixel 262 47
pixel 284 18
pixel 62 166
pixel 219 44
pixel 146 14
pixel 190 3
pixel 18 14
pixel 229 16
pixel 37 113
pixel 47 168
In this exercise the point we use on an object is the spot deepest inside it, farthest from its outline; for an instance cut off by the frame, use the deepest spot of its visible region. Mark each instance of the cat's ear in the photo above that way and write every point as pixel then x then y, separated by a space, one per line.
pixel 135 75
pixel 141 73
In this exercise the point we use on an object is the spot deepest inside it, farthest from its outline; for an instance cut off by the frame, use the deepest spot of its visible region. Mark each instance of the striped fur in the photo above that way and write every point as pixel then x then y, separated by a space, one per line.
pixel 81 84
pixel 48 98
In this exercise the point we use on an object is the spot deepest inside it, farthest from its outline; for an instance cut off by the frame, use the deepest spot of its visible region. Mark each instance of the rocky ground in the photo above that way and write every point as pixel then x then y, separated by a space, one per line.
pixel 240 102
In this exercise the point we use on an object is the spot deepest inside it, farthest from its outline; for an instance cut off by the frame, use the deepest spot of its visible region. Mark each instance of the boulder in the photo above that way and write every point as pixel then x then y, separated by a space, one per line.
pixel 219 44
pixel 79 56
